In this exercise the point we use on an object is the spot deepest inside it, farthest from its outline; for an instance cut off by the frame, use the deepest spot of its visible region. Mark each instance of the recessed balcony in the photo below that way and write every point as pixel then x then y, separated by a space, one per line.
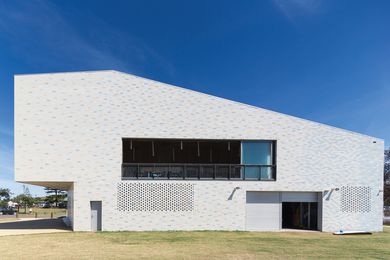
pixel 173 159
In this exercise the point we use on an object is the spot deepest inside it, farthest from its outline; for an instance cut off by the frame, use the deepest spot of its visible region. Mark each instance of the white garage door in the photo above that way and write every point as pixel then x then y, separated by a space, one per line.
pixel 262 211
pixel 299 197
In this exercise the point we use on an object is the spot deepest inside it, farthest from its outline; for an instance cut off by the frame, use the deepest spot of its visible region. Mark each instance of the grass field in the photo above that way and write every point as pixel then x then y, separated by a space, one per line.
pixel 42 213
pixel 195 245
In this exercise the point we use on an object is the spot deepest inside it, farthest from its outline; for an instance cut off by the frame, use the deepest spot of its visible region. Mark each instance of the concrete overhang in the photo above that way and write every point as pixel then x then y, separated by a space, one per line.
pixel 61 185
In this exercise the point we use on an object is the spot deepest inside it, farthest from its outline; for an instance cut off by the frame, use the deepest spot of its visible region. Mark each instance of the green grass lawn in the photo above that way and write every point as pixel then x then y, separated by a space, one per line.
pixel 195 245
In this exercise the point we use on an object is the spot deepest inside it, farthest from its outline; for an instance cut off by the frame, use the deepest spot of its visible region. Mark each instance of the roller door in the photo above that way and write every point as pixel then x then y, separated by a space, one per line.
pixel 262 211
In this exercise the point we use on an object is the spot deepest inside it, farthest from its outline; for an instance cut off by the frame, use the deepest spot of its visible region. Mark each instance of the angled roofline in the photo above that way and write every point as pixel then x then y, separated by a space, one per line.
pixel 66 72
pixel 209 95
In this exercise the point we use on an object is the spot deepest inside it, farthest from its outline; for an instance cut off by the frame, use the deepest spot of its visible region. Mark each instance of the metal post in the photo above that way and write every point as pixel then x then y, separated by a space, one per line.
pixel 300 212
pixel 308 214
pixel 274 172
pixel 260 169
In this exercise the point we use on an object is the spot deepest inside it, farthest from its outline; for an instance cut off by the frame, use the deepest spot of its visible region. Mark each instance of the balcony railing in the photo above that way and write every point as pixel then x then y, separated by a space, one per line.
pixel 162 171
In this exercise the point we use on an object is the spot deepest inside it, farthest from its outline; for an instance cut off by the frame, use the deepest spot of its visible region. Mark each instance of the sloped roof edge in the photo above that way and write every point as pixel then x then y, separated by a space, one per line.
pixel 209 95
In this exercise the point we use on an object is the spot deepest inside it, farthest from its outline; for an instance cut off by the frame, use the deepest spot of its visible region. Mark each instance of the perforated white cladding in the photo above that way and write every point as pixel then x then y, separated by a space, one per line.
pixel 67 122
pixel 155 196
pixel 355 199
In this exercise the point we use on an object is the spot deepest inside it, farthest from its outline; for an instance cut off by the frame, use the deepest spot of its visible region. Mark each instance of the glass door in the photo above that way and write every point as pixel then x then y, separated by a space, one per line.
pixel 300 215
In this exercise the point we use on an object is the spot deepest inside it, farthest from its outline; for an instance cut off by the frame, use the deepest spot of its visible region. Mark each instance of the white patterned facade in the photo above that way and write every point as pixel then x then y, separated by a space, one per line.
pixel 69 129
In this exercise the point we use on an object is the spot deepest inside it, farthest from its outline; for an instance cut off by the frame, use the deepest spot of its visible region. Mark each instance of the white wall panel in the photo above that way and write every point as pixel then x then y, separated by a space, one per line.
pixel 71 127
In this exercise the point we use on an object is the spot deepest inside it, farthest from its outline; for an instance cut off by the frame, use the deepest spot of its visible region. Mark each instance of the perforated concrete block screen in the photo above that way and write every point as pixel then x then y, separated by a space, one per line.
pixel 355 199
pixel 155 197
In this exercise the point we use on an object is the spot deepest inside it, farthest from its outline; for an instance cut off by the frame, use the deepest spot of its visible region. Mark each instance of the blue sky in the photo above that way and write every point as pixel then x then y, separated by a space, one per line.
pixel 327 61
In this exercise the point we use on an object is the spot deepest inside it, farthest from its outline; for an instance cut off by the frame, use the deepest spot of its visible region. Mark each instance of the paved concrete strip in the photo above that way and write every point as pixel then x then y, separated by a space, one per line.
pixel 7 217
pixel 32 226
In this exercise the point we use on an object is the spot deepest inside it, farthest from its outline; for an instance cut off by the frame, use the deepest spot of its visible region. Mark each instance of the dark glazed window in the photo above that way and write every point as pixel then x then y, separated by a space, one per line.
pixel 199 159
pixel 181 151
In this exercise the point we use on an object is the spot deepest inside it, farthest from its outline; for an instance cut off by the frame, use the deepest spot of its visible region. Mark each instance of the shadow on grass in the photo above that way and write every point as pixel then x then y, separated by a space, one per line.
pixel 35 224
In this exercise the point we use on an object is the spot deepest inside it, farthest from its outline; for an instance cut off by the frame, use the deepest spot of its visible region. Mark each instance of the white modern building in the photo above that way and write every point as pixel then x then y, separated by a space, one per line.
pixel 136 154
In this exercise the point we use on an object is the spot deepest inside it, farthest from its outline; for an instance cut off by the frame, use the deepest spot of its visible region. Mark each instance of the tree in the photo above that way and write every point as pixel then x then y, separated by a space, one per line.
pixel 386 180
pixel 4 196
pixel 55 195
pixel 25 199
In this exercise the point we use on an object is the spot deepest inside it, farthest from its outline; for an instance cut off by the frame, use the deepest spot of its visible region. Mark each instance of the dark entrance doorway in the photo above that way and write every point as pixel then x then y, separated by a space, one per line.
pixel 300 215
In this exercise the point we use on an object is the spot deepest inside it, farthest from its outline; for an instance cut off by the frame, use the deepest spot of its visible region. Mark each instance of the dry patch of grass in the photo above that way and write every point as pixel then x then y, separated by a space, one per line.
pixel 2 220
pixel 195 245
